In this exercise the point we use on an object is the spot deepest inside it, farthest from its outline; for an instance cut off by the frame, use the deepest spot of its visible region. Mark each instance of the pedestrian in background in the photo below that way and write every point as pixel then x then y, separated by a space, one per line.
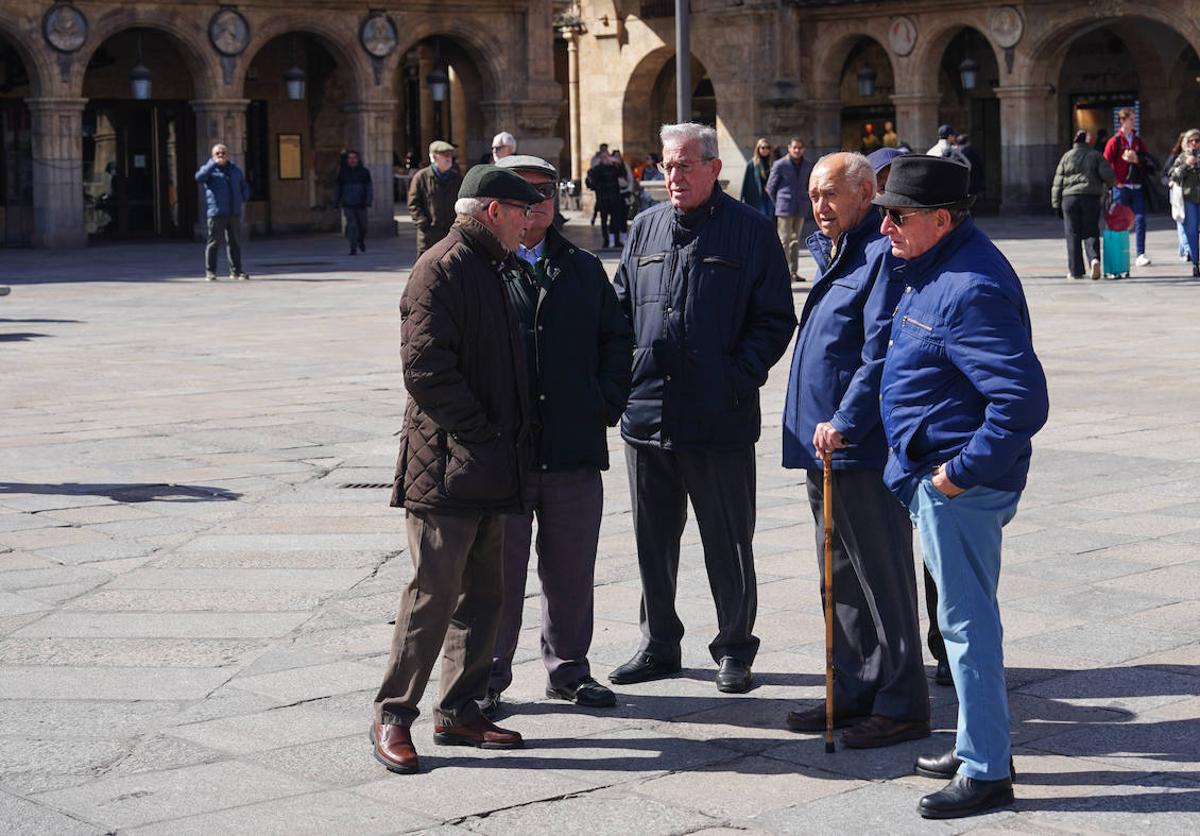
pixel 754 181
pixel 354 196
pixel 975 161
pixel 604 179
pixel 1175 193
pixel 1126 153
pixel 787 188
pixel 503 145
pixel 1186 174
pixel 432 193
pixel 225 192
pixel 1079 183
pixel 705 284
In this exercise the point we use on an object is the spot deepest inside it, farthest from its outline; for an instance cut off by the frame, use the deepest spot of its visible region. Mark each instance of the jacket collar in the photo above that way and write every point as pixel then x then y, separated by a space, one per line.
pixel 924 265
pixel 820 245
pixel 479 237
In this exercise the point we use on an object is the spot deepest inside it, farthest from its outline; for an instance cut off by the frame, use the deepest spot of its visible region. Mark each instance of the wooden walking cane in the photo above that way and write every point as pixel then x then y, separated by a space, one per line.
pixel 827 460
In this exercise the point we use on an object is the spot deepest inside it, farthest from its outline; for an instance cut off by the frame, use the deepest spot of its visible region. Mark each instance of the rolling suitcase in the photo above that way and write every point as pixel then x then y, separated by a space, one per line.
pixel 1116 253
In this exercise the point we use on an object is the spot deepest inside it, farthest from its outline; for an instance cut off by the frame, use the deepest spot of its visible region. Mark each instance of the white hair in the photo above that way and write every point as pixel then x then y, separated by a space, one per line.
pixel 505 138
pixel 220 146
pixel 859 171
pixel 472 206
pixel 686 132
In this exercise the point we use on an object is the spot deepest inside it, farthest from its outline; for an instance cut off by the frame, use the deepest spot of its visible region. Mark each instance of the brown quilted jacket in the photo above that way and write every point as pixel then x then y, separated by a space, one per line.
pixel 467 437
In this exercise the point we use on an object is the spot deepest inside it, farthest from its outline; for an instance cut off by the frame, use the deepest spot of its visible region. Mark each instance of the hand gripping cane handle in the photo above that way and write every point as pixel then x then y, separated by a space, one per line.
pixel 827 495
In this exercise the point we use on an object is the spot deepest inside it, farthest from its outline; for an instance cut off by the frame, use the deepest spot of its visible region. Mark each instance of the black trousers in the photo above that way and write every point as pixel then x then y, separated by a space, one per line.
pixel 720 484
pixel 877 661
pixel 933 638
pixel 356 225
pixel 223 226
pixel 1081 223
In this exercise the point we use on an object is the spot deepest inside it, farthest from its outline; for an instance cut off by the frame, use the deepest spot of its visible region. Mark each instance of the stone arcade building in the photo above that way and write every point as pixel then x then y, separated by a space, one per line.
pixel 290 84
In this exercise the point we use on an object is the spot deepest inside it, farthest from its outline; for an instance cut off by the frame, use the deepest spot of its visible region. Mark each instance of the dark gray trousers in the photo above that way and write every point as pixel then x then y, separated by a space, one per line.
pixel 1081 223
pixel 878 668
pixel 356 225
pixel 568 507
pixel 223 226
pixel 451 608
pixel 720 484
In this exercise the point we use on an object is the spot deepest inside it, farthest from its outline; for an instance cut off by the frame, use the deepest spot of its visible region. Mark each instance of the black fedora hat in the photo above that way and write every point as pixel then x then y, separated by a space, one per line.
pixel 921 182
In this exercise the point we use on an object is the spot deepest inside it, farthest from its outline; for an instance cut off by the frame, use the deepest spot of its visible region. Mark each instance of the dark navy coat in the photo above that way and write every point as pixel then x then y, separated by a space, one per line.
pixel 839 353
pixel 225 189
pixel 961 382
pixel 787 187
pixel 709 295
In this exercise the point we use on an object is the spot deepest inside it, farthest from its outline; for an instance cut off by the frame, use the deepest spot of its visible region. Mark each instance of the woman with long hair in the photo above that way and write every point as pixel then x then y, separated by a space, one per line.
pixel 1176 194
pixel 1186 174
pixel 754 182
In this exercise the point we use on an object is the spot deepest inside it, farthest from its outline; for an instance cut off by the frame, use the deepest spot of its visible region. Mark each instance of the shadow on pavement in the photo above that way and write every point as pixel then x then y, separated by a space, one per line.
pixel 137 492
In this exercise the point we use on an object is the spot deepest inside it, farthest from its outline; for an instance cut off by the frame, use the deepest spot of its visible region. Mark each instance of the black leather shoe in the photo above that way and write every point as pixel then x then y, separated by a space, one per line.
pixel 942 675
pixel 965 797
pixel 586 692
pixel 881 731
pixel 733 677
pixel 946 766
pixel 813 720
pixel 489 706
pixel 642 668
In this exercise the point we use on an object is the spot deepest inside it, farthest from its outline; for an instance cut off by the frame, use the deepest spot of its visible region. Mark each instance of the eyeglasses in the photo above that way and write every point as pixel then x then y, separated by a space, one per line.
pixel 499 147
pixel 546 190
pixel 897 217
pixel 526 209
pixel 220 154
pixel 683 168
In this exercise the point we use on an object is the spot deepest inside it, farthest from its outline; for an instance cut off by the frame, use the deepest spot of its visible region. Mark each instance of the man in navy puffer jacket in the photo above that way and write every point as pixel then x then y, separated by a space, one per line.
pixel 833 405
pixel 962 394
pixel 705 283
pixel 225 190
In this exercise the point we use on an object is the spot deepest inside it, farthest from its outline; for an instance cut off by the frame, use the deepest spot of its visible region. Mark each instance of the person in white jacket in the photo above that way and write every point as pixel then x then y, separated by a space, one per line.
pixel 946 146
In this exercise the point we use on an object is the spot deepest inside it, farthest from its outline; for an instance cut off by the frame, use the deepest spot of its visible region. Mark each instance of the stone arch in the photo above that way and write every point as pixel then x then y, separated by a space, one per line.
pixel 926 57
pixel 333 38
pixel 198 56
pixel 833 49
pixel 39 62
pixel 484 51
pixel 640 122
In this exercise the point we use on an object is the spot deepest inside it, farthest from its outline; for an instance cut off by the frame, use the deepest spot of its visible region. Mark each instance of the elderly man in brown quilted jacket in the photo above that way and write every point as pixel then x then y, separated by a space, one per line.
pixel 466 443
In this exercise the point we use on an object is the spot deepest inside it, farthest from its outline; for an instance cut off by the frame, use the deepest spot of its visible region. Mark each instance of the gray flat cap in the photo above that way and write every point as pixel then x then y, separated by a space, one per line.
pixel 527 162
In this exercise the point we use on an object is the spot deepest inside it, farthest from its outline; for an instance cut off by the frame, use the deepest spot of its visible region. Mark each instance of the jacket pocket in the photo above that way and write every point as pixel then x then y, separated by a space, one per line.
pixel 479 471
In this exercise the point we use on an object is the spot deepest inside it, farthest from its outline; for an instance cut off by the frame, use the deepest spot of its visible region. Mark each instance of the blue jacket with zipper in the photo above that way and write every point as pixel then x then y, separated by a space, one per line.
pixel 225 189
pixel 961 383
pixel 709 295
pixel 839 353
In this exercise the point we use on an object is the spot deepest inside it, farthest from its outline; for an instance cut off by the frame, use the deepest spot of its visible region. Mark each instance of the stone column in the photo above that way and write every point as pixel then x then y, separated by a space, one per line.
pixel 572 37
pixel 425 55
pixel 917 119
pixel 58 172
pixel 372 131
pixel 1029 124
pixel 223 121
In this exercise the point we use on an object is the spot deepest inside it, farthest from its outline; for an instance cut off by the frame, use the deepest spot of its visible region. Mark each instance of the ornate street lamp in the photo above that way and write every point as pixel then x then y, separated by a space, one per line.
pixel 294 78
pixel 866 81
pixel 139 77
pixel 968 73
pixel 438 80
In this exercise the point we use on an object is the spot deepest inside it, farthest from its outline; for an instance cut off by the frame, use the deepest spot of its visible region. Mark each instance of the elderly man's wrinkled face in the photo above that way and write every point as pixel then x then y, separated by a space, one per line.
pixel 839 204
pixel 913 232
pixel 508 220
pixel 443 160
pixel 542 214
pixel 690 177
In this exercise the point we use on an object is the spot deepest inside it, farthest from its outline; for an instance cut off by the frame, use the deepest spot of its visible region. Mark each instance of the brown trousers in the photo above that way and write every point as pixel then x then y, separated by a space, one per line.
pixel 453 600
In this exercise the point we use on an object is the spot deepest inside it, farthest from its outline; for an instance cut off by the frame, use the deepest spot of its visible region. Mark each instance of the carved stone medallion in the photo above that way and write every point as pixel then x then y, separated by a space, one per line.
pixel 1007 26
pixel 378 35
pixel 65 28
pixel 229 32
pixel 902 35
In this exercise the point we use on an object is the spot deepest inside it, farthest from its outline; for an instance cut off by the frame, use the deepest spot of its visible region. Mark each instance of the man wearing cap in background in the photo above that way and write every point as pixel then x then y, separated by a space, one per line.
pixel 466 446
pixel 962 395
pixel 833 406
pixel 432 194
pixel 947 146
pixel 579 347
pixel 881 162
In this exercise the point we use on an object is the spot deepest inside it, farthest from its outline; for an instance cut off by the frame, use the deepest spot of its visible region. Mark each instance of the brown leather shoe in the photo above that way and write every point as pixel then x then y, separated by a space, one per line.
pixel 812 720
pixel 884 731
pixel 393 747
pixel 481 733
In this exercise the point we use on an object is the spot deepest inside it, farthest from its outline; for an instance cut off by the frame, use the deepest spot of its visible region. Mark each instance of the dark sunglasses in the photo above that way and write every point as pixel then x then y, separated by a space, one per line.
pixel 897 217
pixel 546 190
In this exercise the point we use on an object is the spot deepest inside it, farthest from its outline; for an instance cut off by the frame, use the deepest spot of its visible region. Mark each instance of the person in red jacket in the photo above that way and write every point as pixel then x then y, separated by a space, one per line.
pixel 1126 153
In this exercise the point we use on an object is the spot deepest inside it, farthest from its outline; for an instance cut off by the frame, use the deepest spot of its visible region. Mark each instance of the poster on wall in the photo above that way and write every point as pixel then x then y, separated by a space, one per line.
pixel 290 167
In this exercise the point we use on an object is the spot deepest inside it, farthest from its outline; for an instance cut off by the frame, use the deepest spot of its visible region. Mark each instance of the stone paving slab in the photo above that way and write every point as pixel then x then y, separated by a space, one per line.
pixel 193 611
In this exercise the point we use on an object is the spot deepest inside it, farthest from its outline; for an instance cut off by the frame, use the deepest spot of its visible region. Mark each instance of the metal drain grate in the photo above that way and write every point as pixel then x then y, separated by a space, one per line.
pixel 371 486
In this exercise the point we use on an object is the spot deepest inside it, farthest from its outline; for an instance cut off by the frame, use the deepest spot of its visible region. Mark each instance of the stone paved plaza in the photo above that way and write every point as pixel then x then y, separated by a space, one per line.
pixel 194 602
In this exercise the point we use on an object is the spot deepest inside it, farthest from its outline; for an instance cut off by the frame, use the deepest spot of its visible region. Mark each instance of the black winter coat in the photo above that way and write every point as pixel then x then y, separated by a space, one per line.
pixel 467 435
pixel 584 354
pixel 354 189
pixel 710 299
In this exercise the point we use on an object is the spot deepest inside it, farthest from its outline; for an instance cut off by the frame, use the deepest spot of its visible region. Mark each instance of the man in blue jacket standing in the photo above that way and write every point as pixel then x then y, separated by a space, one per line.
pixel 225 190
pixel 961 397
pixel 787 187
pixel 833 405
pixel 704 281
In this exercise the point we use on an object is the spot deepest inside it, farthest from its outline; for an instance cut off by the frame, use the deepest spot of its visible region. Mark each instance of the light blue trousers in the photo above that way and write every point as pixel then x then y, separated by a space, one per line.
pixel 960 538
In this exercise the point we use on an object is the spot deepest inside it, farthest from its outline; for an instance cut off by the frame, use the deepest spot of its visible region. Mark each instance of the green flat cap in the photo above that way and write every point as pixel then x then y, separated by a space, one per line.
pixel 497 183
pixel 440 146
